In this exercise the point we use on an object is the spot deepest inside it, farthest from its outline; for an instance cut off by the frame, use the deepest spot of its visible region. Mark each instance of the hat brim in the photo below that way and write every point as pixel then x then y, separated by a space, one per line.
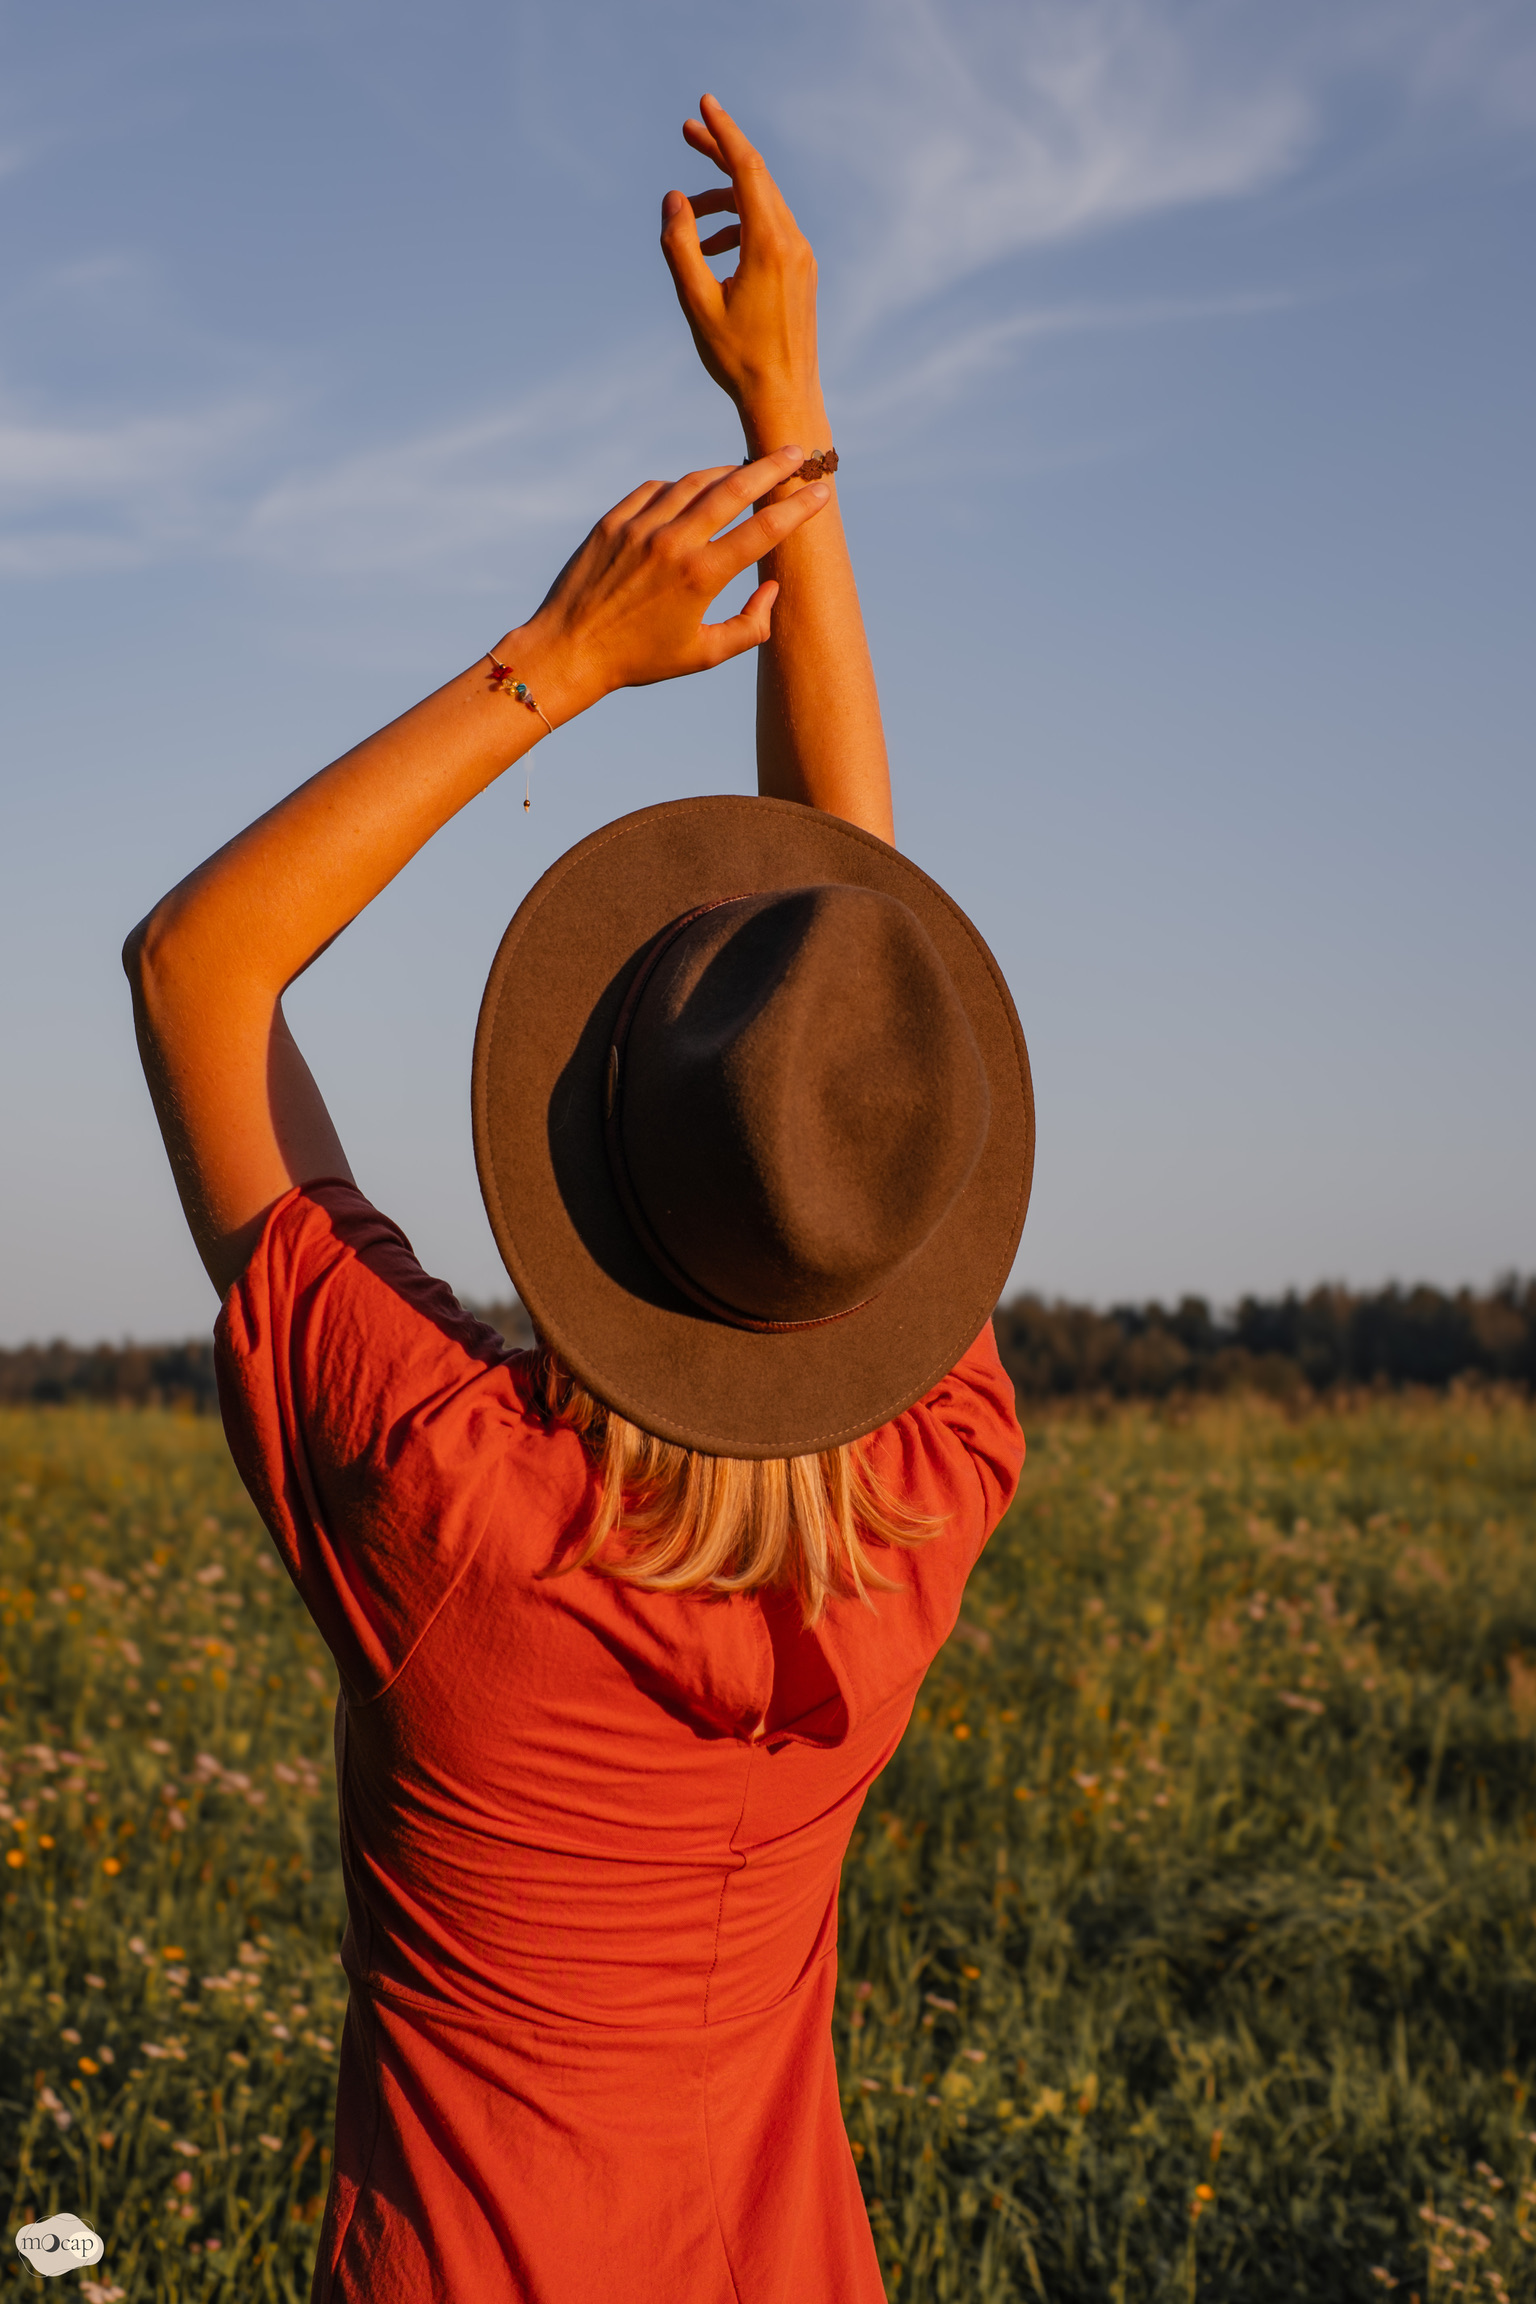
pixel 541 1048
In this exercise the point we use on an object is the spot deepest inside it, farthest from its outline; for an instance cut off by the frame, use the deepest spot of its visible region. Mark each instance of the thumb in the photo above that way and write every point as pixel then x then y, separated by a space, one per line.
pixel 748 629
pixel 698 291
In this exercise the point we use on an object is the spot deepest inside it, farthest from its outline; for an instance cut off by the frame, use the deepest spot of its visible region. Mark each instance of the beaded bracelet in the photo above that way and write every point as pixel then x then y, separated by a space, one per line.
pixel 819 466
pixel 505 683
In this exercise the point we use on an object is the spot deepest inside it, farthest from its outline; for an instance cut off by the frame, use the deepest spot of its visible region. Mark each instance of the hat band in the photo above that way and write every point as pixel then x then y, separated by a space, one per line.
pixel 613 1139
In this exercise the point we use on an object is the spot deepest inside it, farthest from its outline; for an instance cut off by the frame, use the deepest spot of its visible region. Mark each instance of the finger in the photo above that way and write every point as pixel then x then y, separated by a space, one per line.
pixel 722 200
pixel 677 498
pixel 696 134
pixel 734 635
pixel 698 291
pixel 636 500
pixel 718 242
pixel 709 501
pixel 756 538
pixel 757 195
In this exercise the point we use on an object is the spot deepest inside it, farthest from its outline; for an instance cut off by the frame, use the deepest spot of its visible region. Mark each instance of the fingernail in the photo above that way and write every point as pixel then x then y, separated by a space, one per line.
pixel 818 488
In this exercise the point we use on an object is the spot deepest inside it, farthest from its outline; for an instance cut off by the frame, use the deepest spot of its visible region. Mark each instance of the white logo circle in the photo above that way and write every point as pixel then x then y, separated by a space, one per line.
pixel 61 2244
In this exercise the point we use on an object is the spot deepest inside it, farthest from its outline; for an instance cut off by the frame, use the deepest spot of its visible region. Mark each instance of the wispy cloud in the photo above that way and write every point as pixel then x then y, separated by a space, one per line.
pixel 81 496
pixel 974 133
pixel 890 400
pixel 981 131
pixel 459 496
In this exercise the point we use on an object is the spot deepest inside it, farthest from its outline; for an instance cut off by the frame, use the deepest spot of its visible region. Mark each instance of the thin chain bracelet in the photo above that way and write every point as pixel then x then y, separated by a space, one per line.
pixel 505 683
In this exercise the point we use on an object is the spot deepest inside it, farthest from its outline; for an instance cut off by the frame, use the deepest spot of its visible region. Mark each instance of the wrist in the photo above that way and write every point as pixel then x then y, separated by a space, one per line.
pixel 561 684
pixel 772 420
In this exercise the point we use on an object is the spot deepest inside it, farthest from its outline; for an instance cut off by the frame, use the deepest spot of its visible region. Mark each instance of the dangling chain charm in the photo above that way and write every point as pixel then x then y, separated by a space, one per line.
pixel 506 683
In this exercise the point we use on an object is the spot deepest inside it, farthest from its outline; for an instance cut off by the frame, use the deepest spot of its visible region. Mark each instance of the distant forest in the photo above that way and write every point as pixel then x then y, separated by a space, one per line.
pixel 1291 1346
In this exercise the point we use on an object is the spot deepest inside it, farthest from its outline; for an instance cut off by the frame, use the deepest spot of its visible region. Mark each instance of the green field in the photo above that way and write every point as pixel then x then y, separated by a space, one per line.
pixel 1189 1944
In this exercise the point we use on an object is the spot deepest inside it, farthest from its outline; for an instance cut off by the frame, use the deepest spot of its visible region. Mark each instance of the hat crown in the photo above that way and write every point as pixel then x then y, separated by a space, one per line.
pixel 802 1099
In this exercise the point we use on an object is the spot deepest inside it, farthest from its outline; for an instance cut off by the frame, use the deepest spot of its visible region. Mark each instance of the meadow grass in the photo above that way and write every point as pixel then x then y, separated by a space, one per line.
pixel 1188 1944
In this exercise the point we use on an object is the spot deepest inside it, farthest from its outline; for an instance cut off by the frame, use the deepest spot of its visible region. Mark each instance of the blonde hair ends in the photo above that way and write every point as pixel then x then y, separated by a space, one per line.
pixel 671 1520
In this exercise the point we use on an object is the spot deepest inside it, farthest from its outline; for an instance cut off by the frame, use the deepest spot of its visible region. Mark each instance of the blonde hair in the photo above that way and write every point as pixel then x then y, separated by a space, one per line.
pixel 691 1523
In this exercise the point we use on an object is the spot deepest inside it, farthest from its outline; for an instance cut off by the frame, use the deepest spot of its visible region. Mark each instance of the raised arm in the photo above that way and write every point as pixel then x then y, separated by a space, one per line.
pixel 819 733
pixel 241 1117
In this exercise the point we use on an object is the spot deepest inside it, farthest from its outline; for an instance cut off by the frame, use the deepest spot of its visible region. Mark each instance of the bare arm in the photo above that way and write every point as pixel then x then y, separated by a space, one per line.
pixel 241 1116
pixel 819 733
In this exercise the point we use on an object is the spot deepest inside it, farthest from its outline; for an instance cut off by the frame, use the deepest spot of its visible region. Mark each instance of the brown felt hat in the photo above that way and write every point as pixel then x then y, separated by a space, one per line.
pixel 754 1124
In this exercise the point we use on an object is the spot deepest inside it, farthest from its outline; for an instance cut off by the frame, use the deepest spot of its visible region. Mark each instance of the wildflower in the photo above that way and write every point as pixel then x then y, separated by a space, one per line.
pixel 71 2035
pixel 271 2143
pixel 934 2001
pixel 97 1983
pixel 112 1865
pixel 89 2065
pixel 182 2180
pixel 15 1857
pixel 974 2055
pixel 187 2151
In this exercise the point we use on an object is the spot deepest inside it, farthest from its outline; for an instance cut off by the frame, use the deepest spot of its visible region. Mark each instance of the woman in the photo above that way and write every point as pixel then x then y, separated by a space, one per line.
pixel 625 1626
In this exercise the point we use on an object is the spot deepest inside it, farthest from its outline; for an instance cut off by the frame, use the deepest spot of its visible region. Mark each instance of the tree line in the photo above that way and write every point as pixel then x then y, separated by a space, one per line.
pixel 1330 1340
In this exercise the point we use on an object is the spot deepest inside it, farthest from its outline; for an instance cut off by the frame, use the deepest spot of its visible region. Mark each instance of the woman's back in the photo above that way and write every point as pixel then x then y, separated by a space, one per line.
pixel 592 1834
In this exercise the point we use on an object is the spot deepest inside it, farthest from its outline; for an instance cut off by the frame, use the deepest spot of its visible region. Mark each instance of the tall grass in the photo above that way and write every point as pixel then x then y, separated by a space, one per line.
pixel 170 2000
pixel 1189 1943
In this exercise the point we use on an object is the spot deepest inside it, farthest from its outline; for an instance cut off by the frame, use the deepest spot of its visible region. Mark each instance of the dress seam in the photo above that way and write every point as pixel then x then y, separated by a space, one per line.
pixel 714 1962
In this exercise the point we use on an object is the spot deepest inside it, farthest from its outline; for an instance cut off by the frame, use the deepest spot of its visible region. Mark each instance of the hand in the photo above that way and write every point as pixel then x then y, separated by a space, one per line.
pixel 756 331
pixel 627 609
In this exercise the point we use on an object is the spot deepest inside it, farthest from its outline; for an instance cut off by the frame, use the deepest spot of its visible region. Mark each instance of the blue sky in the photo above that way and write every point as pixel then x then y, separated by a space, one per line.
pixel 1181 360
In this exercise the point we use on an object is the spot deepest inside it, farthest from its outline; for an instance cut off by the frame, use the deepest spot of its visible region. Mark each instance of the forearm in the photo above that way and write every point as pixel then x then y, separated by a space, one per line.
pixel 262 907
pixel 209 965
pixel 820 738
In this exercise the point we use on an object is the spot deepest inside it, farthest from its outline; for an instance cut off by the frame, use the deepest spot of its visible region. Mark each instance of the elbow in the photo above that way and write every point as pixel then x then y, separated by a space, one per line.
pixel 149 951
pixel 133 953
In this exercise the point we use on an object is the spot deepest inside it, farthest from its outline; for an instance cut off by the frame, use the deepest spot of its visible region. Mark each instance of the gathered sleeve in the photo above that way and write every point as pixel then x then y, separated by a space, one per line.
pixel 372 1421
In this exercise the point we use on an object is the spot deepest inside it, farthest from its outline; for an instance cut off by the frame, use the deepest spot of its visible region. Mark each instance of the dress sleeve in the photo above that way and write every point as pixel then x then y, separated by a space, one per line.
pixel 954 1458
pixel 958 1453
pixel 378 1428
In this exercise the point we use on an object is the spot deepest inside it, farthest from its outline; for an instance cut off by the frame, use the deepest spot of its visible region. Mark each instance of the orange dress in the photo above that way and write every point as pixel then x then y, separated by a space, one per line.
pixel 591 1835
